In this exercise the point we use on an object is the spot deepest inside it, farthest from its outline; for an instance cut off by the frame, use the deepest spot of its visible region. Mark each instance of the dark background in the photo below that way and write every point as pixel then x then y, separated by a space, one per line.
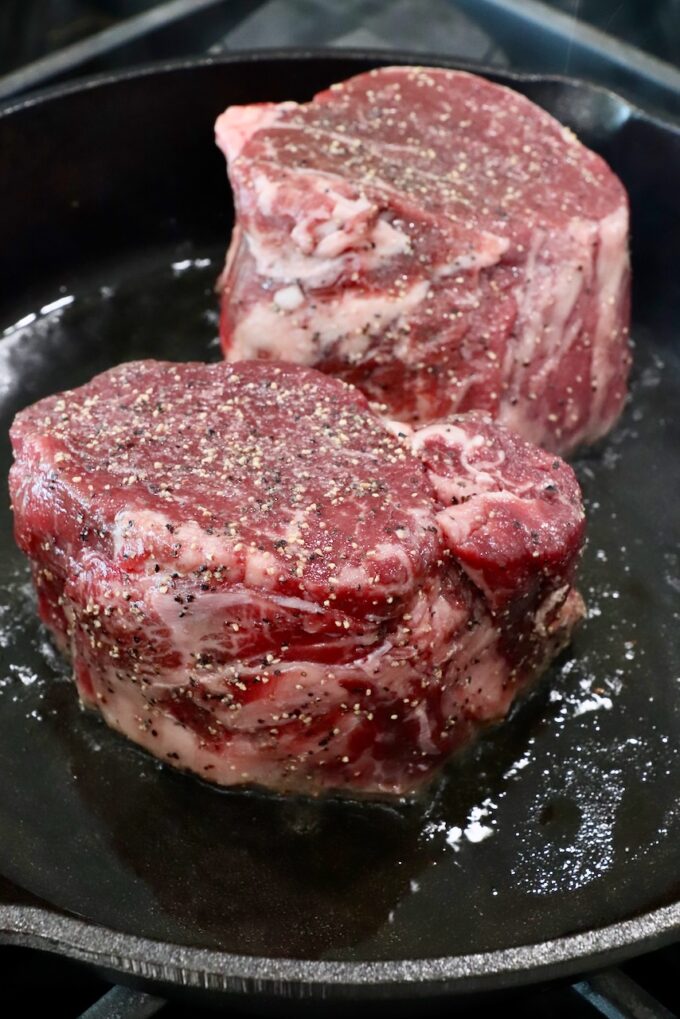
pixel 33 28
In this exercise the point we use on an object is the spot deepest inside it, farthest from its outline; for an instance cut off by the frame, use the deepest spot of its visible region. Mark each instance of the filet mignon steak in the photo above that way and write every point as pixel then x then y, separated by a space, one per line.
pixel 261 580
pixel 439 241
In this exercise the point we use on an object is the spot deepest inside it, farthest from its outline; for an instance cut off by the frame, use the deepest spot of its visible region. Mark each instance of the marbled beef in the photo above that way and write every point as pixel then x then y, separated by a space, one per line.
pixel 259 579
pixel 437 240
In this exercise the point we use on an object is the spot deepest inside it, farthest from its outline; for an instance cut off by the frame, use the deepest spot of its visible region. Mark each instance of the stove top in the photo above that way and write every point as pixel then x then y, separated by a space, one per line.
pixel 628 45
pixel 645 988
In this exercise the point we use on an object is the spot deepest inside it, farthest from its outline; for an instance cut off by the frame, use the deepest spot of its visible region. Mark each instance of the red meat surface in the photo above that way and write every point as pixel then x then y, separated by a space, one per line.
pixel 440 242
pixel 261 580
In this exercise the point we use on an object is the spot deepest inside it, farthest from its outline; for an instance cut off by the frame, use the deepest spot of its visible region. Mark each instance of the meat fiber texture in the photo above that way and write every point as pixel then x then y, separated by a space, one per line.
pixel 260 580
pixel 437 240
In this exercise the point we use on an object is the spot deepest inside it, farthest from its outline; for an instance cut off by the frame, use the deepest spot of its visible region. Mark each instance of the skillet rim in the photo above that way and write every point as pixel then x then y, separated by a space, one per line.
pixel 12 105
pixel 135 957
pixel 210 970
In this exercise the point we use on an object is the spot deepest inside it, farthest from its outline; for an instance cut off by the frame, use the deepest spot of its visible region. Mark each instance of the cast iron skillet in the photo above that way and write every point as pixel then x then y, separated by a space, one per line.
pixel 549 849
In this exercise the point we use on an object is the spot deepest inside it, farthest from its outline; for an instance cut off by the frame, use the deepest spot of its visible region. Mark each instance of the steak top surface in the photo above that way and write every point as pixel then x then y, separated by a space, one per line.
pixel 273 473
pixel 515 166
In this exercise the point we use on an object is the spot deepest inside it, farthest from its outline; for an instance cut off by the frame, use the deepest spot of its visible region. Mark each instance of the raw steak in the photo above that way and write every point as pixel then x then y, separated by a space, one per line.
pixel 437 240
pixel 260 580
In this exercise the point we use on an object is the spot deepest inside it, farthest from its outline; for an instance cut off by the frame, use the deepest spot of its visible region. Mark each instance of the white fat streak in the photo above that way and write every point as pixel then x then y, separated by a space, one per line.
pixel 134 531
pixel 461 485
pixel 437 623
pixel 354 576
pixel 340 234
pixel 289 298
pixel 328 232
pixel 485 694
pixel 421 716
pixel 489 251
pixel 129 529
pixel 451 434
pixel 363 253
pixel 446 620
pixel 611 269
pixel 238 124
pixel 547 607
pixel 548 303
pixel 548 294
pixel 233 252
pixel 216 601
pixel 285 263
pixel 208 620
pixel 343 324
pixel 390 551
pixel 595 256
pixel 528 308
pixel 265 191
pixel 294 527
pixel 397 428
pixel 389 241
pixel 265 331
pixel 458 522
pixel 258 566
pixel 327 222
pixel 362 575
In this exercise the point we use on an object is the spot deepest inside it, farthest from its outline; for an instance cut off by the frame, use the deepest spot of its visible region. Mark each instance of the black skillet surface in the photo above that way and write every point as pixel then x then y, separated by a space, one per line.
pixel 550 847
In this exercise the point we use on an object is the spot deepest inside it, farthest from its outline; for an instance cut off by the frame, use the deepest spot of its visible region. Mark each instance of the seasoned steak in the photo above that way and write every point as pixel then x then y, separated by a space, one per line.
pixel 437 240
pixel 259 579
